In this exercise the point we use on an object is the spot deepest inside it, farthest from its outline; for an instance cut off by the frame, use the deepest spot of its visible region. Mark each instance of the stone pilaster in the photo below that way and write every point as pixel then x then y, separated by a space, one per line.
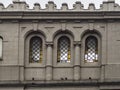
pixel 49 61
pixel 77 61
pixel 102 73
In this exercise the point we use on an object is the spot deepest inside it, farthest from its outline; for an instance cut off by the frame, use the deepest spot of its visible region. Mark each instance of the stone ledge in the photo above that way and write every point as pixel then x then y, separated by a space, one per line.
pixel 59 84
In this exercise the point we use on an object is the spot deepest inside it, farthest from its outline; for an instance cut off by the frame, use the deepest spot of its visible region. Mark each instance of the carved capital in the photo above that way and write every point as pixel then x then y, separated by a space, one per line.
pixel 49 44
pixel 77 43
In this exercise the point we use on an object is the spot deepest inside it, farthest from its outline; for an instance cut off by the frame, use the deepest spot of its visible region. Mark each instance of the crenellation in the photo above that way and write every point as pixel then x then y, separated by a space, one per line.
pixel 78 6
pixel 64 6
pixel 104 6
pixel 91 7
pixel 36 6
pixel 50 6
pixel 23 6
pixel 1 6
pixel 111 5
pixel 16 0
pixel 112 1
pixel 117 7
pixel 18 5
pixel 10 7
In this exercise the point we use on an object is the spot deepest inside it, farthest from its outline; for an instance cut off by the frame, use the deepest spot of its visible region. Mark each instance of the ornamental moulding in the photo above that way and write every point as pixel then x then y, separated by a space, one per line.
pixel 20 10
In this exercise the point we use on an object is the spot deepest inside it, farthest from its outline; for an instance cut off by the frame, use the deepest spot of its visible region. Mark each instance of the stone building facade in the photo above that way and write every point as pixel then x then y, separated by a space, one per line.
pixel 59 49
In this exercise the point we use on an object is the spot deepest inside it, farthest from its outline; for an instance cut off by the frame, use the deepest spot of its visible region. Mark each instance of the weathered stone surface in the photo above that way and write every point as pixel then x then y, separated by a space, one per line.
pixel 18 24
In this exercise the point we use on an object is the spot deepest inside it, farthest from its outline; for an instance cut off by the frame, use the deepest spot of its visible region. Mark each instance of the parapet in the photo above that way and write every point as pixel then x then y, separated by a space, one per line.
pixel 18 5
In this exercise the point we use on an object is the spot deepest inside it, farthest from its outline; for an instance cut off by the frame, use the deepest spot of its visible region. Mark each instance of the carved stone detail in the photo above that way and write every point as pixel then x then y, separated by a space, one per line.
pixel 35 25
pixel 49 44
pixel 91 24
pixel 77 43
pixel 63 26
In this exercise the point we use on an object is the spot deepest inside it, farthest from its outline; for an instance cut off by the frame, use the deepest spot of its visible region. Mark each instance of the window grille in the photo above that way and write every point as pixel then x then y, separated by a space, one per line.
pixel 91 49
pixel 35 50
pixel 64 50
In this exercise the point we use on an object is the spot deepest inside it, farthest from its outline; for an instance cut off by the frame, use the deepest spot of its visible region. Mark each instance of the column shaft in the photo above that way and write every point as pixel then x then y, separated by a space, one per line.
pixel 77 63
pixel 49 63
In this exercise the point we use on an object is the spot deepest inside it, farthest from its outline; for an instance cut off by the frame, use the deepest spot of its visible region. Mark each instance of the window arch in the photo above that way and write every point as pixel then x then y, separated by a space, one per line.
pixel 91 49
pixel 35 50
pixel 63 50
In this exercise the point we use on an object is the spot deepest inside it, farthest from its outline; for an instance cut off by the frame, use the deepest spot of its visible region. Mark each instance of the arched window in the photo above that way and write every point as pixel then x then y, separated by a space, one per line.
pixel 91 49
pixel 63 52
pixel 35 53
pixel 1 47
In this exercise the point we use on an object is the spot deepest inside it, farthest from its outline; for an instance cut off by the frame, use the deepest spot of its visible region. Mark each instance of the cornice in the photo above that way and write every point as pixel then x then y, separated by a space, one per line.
pixel 60 15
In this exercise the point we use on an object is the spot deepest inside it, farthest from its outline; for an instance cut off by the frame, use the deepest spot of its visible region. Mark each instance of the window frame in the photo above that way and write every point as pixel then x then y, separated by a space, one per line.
pixel 68 52
pixel 86 42
pixel 83 49
pixel 27 49
pixel 55 50
pixel 30 50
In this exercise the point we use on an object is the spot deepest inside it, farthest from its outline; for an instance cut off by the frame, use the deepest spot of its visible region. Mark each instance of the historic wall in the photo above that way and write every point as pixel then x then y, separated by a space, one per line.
pixel 18 24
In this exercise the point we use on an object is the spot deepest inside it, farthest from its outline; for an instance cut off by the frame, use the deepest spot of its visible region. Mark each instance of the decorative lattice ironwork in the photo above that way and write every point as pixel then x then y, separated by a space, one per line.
pixel 35 49
pixel 63 49
pixel 91 49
